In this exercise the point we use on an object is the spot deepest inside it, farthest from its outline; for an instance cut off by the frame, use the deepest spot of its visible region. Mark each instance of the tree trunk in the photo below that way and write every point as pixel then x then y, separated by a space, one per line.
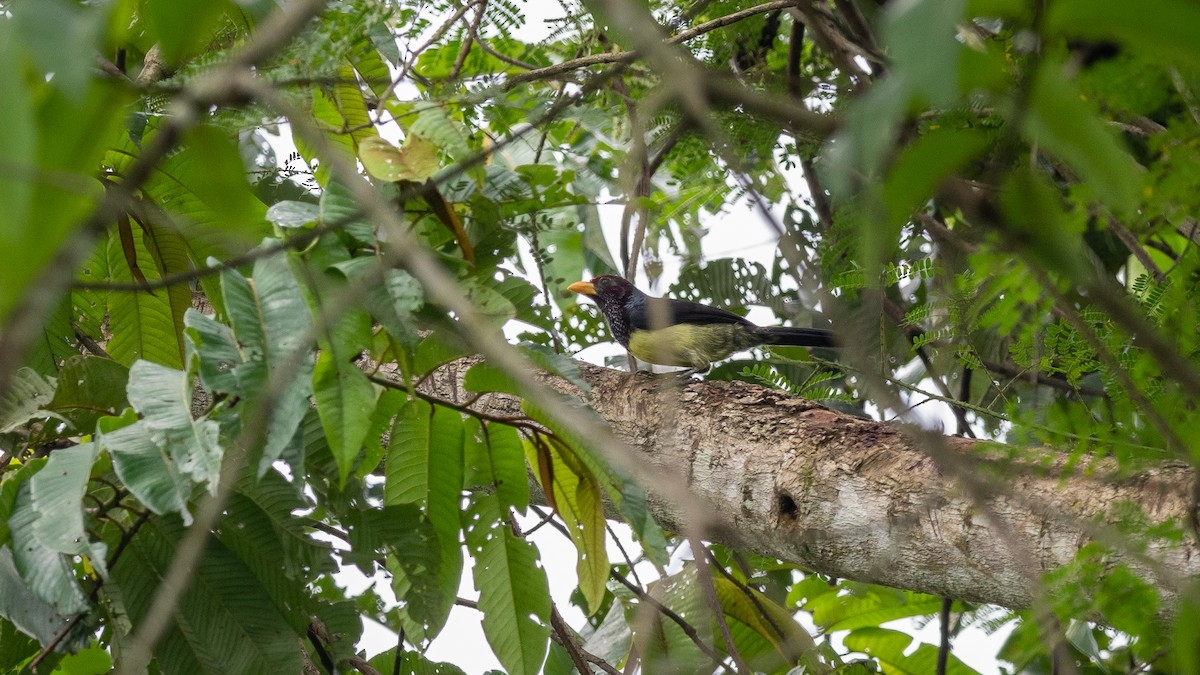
pixel 878 502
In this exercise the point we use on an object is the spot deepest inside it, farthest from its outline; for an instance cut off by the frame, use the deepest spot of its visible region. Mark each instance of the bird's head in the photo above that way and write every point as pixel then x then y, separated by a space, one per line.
pixel 615 296
pixel 606 290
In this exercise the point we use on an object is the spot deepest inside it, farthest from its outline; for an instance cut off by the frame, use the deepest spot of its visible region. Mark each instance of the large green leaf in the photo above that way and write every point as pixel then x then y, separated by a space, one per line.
pixel 48 129
pixel 1168 30
pixel 146 469
pixel 258 526
pixel 513 593
pixel 183 27
pixel 88 388
pixel 57 495
pixel 204 191
pixel 27 611
pixel 163 396
pixel 345 401
pixel 891 647
pixel 425 467
pixel 1065 126
pixel 27 394
pixel 47 573
pixel 624 493
pixel 225 620
pixel 269 320
pixel 147 325
pixel 495 459
pixel 869 606
pixel 56 343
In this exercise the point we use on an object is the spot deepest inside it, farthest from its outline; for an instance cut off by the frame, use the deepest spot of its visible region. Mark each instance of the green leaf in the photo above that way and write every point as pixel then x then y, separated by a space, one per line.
pixel 513 593
pixel 57 495
pixel 204 186
pixel 258 526
pixel 293 214
pixel 507 463
pixel 434 124
pixel 224 620
pixel 149 472
pixel 164 398
pixel 915 175
pixel 340 209
pixel 577 499
pixel 889 647
pixel 47 573
pixel 27 611
pixel 788 639
pixel 1067 127
pixel 56 342
pixel 16 645
pixel 183 27
pixel 27 394
pixel 89 387
pixel 148 325
pixel 345 401
pixel 213 346
pixel 870 606
pixel 425 467
pixel 270 321
pixel 922 41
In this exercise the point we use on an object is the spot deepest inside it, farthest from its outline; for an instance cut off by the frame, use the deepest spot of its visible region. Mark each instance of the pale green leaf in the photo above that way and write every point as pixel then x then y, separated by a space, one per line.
pixel 164 398
pixel 147 470
pixel 57 495
pixel 47 573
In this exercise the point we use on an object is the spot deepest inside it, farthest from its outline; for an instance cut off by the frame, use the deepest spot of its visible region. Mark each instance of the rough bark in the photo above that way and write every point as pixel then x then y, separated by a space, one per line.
pixel 878 502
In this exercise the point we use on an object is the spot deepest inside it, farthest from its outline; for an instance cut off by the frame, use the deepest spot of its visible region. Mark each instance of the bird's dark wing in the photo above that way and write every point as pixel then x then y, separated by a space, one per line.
pixel 662 312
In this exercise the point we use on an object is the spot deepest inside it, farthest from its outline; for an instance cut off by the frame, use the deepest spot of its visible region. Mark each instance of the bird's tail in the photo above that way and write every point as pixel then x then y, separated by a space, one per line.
pixel 797 337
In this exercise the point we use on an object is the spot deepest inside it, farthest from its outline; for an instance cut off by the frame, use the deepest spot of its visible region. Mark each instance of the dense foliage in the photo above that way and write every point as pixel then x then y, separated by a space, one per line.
pixel 213 350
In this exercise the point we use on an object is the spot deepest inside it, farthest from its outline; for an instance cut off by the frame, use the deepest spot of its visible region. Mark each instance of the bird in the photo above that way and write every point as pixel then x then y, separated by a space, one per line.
pixel 671 332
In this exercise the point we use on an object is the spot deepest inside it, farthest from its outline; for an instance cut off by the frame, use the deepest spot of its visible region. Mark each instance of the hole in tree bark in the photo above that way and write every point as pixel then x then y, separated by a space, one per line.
pixel 787 507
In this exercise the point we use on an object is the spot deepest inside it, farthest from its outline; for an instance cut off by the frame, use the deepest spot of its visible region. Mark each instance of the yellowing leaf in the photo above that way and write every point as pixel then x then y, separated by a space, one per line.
pixel 416 160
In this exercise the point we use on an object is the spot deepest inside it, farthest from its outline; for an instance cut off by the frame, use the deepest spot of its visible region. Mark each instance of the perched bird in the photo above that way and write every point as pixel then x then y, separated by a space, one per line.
pixel 681 333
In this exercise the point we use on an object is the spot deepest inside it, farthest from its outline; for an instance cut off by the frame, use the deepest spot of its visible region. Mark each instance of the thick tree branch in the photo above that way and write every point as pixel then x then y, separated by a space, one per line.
pixel 858 499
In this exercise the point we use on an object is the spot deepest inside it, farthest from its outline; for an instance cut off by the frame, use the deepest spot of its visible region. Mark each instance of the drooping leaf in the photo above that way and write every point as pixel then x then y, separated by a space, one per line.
pixel 577 500
pixel 164 398
pixel 57 497
pixel 47 573
pixel 345 401
pixel 270 320
pixel 28 393
pixel 425 467
pixel 30 613
pixel 149 472
pixel 513 593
